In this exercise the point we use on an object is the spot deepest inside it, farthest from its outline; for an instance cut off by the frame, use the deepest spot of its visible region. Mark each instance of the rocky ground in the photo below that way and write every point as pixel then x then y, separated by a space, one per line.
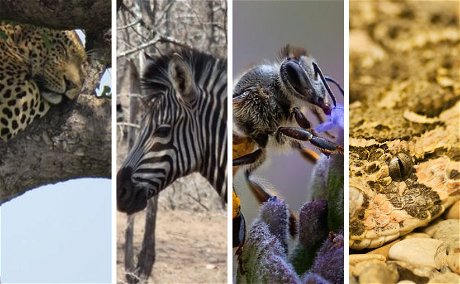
pixel 428 255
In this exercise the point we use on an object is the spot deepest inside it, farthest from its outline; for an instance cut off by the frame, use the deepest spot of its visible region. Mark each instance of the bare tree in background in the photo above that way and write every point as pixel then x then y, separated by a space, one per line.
pixel 155 27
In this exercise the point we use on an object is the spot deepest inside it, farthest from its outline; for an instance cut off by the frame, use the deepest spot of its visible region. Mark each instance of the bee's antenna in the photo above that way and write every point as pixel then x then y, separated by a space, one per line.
pixel 318 71
pixel 334 82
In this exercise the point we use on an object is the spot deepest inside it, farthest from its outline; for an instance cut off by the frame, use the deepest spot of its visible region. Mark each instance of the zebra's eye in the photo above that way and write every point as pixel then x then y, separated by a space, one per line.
pixel 400 166
pixel 162 131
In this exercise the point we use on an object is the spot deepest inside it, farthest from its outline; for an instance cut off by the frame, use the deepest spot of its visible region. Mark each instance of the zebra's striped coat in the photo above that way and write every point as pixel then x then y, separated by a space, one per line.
pixel 184 129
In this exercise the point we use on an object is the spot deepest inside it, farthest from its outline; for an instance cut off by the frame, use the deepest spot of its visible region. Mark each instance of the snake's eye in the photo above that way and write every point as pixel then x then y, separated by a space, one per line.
pixel 400 166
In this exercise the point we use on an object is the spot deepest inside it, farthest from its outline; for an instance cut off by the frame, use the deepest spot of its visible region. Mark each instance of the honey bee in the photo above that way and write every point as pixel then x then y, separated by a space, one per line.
pixel 267 102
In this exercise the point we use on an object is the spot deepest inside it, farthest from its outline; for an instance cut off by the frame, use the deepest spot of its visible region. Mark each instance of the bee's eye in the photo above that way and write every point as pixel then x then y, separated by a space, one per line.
pixel 163 130
pixel 400 166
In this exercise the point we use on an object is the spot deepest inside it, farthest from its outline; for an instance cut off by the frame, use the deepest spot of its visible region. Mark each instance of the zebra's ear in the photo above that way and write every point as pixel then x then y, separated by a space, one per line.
pixel 182 78
pixel 148 57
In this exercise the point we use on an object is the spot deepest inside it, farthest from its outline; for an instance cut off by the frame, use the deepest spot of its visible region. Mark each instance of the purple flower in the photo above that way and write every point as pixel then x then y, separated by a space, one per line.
pixel 335 120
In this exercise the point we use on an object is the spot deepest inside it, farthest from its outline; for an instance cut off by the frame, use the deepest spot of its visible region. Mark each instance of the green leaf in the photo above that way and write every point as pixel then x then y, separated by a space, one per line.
pixel 3 35
pixel 106 91
pixel 46 38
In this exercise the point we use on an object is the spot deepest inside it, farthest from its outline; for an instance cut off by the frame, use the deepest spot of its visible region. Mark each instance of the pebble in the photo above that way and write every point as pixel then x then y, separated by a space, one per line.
pixel 454 211
pixel 352 280
pixel 356 258
pixel 453 258
pixel 385 249
pixel 418 274
pixel 447 277
pixel 446 230
pixel 418 235
pixel 421 252
pixel 377 272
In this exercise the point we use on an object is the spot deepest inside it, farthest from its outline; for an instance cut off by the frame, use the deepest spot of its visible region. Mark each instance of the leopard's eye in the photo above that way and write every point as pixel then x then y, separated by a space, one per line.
pixel 400 166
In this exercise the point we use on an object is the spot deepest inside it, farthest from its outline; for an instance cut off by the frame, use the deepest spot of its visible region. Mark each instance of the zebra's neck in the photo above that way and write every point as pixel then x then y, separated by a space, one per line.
pixel 214 123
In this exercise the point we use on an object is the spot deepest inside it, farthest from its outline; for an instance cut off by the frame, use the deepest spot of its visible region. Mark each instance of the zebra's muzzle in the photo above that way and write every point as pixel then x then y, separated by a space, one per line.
pixel 130 199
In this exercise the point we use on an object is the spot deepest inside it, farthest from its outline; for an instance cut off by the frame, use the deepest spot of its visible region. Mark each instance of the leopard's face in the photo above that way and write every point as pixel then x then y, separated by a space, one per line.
pixel 63 72
pixel 38 67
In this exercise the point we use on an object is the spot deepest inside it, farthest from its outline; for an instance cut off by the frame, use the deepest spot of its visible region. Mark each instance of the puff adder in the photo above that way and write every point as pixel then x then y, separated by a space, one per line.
pixel 404 121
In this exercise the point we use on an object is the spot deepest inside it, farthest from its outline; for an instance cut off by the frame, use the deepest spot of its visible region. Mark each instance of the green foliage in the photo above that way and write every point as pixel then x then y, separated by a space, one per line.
pixel 46 37
pixel 335 194
pixel 106 92
pixel 3 35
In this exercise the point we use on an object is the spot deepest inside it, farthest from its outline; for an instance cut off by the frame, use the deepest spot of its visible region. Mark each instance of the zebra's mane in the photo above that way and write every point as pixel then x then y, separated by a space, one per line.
pixel 155 78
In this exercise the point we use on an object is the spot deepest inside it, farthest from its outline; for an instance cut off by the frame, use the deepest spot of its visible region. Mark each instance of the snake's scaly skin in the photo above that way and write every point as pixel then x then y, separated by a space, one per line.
pixel 404 102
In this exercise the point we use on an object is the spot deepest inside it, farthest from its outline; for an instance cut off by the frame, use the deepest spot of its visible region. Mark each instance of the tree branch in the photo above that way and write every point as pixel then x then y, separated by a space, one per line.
pixel 61 15
pixel 72 141
pixel 158 38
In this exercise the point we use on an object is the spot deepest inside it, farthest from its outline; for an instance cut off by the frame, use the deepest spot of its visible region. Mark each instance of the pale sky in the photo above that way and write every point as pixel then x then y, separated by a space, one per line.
pixel 58 234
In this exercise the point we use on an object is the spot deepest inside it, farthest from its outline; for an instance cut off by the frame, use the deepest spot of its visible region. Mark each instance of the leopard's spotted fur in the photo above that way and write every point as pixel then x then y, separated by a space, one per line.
pixel 38 66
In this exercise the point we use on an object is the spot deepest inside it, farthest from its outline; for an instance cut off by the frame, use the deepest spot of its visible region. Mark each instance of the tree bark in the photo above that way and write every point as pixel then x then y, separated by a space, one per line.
pixel 59 14
pixel 72 141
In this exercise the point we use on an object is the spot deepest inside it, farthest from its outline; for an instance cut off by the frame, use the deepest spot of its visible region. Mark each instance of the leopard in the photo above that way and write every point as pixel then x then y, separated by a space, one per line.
pixel 39 68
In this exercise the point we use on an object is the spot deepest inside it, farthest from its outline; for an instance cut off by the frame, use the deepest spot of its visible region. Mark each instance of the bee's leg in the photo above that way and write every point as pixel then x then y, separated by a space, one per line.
pixel 325 145
pixel 255 158
pixel 300 118
pixel 239 224
pixel 307 154
pixel 303 122
pixel 248 159
pixel 257 188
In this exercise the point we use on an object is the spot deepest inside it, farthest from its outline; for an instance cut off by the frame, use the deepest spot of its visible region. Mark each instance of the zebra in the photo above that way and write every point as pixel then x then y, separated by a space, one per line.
pixel 184 129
